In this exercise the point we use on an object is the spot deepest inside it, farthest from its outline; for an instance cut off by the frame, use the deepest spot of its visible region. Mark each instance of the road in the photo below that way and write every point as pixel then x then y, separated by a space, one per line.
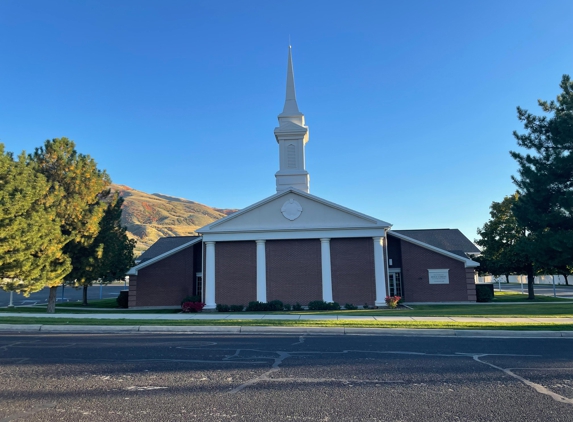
pixel 284 378
pixel 70 295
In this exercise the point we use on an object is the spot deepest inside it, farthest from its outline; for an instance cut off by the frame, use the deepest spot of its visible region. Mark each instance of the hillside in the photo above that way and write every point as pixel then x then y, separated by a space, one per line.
pixel 151 216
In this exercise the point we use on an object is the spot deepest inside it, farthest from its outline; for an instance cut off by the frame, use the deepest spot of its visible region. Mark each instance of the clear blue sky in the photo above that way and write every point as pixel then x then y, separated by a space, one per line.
pixel 410 104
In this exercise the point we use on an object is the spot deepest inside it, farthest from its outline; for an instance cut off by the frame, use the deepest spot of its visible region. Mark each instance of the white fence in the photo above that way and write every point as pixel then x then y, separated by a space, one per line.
pixel 522 279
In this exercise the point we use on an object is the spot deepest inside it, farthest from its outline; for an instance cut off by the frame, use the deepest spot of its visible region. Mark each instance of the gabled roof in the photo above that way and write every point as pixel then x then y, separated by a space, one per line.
pixel 165 242
pixel 452 254
pixel 451 240
pixel 265 216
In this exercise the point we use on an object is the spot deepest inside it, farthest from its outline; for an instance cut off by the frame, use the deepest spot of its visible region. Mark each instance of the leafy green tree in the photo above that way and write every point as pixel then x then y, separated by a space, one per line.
pixel 80 208
pixel 506 246
pixel 545 179
pixel 110 255
pixel 30 238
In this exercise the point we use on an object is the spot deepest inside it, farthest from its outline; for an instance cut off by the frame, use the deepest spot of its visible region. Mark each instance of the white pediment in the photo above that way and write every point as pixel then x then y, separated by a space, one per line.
pixel 293 210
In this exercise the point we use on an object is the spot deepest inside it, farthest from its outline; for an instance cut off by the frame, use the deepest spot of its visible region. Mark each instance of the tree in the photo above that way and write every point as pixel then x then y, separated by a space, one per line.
pixel 110 255
pixel 30 237
pixel 545 179
pixel 80 208
pixel 506 245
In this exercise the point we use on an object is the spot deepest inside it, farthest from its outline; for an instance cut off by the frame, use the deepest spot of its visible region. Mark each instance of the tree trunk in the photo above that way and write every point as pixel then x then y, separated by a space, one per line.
pixel 507 278
pixel 85 295
pixel 52 300
pixel 566 280
pixel 530 280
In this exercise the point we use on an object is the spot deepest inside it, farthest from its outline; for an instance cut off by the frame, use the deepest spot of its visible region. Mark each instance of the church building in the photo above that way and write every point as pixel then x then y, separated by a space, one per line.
pixel 297 247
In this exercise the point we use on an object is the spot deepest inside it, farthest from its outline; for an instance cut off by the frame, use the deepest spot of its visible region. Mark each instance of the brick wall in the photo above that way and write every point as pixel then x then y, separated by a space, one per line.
pixel 166 282
pixel 235 272
pixel 471 284
pixel 352 263
pixel 131 301
pixel 415 264
pixel 294 271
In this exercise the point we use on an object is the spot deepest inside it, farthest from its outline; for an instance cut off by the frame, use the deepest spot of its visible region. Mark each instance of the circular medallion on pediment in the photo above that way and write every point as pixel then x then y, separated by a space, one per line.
pixel 291 210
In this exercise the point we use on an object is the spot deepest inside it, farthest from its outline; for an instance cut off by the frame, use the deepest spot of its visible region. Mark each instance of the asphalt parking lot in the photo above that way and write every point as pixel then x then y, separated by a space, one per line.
pixel 69 295
pixel 76 377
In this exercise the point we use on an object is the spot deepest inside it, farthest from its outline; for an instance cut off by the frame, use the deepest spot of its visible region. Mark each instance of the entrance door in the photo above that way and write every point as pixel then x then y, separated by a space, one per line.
pixel 395 283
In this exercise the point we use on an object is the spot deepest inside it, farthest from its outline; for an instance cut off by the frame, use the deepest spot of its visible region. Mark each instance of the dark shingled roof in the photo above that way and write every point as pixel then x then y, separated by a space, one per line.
pixel 164 244
pixel 451 240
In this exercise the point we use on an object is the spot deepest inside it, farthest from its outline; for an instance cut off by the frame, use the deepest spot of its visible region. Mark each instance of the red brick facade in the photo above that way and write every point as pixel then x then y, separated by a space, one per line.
pixel 164 283
pixel 235 272
pixel 294 271
pixel 416 261
pixel 352 267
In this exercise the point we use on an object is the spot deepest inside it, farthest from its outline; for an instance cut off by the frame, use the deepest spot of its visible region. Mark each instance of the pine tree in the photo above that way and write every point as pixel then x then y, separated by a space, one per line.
pixel 110 255
pixel 80 208
pixel 545 180
pixel 30 238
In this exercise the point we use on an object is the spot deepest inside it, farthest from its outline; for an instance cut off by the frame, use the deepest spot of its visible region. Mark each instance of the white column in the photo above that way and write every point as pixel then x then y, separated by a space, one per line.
pixel 326 270
pixel 210 276
pixel 379 272
pixel 261 272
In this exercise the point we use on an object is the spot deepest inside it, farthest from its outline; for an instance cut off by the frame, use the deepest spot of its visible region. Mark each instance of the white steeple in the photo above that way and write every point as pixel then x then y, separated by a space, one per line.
pixel 292 136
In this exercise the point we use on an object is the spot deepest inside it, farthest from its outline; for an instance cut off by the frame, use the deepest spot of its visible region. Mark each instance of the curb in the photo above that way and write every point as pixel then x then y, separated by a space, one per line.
pixel 333 331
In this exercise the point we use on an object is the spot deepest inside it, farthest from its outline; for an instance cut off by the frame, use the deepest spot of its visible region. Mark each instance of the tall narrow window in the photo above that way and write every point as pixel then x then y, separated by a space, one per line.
pixel 291 156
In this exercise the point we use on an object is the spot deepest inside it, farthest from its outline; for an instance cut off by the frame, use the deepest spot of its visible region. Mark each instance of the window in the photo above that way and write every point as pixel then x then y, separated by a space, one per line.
pixel 439 276
pixel 291 156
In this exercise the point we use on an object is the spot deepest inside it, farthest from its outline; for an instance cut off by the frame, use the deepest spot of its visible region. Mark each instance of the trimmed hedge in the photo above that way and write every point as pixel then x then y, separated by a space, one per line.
pixel 273 305
pixel 321 305
pixel 484 292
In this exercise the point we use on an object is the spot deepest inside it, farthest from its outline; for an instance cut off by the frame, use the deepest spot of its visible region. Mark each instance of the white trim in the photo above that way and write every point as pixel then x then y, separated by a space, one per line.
pixel 326 270
pixel 209 227
pixel 468 262
pixel 261 271
pixel 293 234
pixel 134 270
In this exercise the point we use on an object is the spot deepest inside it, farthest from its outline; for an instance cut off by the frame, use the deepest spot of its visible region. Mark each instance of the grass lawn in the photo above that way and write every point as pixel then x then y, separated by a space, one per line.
pixel 101 303
pixel 509 305
pixel 518 297
pixel 283 323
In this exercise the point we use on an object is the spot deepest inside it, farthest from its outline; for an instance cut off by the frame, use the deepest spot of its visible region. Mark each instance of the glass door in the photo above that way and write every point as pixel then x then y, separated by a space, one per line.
pixel 395 284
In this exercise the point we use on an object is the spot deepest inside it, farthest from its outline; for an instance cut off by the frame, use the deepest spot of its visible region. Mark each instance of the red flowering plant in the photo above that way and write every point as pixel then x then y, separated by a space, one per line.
pixel 392 301
pixel 188 307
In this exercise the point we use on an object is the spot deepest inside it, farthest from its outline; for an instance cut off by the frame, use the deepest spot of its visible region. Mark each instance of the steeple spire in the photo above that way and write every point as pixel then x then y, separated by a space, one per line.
pixel 290 107
pixel 292 136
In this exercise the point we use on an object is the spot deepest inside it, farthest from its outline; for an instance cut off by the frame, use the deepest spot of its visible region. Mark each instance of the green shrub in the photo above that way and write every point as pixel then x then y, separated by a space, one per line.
pixel 297 307
pixel 350 306
pixel 287 307
pixel 123 299
pixel 273 305
pixel 484 292
pixel 321 305
pixel 223 308
pixel 237 308
pixel 191 299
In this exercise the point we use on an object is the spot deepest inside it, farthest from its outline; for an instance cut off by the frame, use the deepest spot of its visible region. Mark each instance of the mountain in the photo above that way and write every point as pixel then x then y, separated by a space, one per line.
pixel 151 216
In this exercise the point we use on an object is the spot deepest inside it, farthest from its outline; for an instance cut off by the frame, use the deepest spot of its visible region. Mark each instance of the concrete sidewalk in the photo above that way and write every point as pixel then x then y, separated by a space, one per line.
pixel 300 331
pixel 165 326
